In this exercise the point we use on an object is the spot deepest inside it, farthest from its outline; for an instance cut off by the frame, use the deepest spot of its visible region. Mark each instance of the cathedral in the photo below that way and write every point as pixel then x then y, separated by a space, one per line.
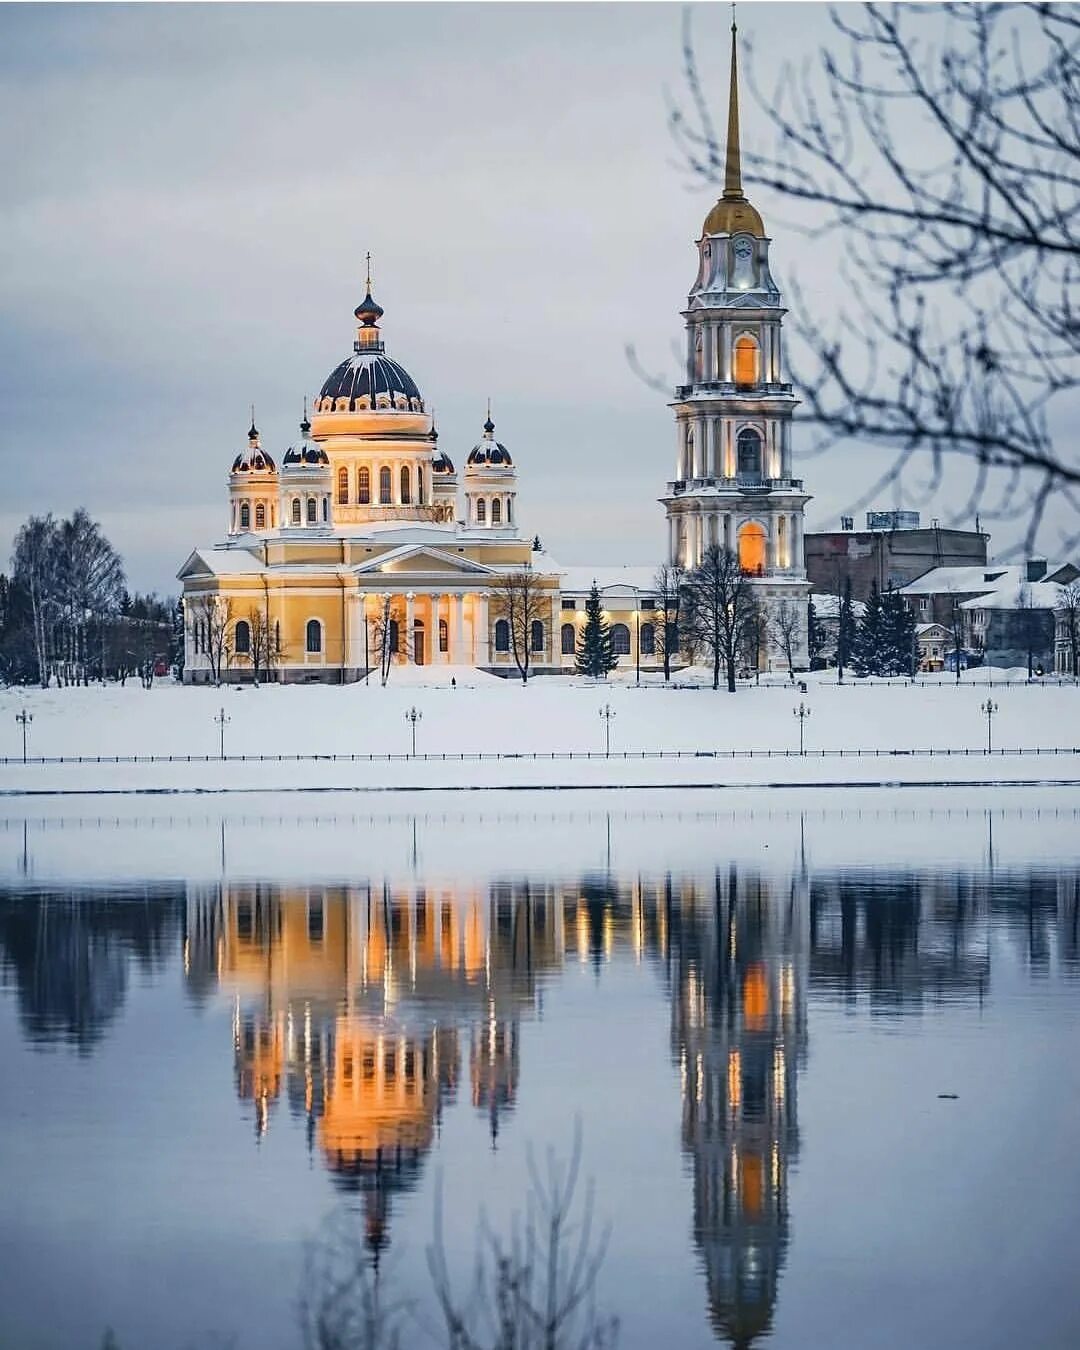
pixel 361 539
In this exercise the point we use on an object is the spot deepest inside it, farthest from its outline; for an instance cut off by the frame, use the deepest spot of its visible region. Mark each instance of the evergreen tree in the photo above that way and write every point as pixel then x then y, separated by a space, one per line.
pixel 898 636
pixel 868 650
pixel 845 630
pixel 595 655
pixel 815 638
pixel 176 640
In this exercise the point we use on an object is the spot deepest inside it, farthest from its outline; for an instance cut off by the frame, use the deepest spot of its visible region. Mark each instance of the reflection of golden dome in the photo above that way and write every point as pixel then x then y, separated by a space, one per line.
pixel 730 216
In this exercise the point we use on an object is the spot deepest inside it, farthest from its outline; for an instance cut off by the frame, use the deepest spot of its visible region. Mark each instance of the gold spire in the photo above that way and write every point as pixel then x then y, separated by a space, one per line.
pixel 733 162
pixel 733 213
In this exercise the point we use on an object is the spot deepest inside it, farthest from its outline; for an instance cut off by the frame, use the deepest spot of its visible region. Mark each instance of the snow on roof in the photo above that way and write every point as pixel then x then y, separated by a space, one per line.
pixel 827 606
pixel 942 580
pixel 607 577
pixel 229 560
pixel 1030 595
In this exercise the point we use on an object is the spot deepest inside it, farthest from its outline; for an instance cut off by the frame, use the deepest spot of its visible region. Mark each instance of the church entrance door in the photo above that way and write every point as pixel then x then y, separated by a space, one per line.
pixel 418 642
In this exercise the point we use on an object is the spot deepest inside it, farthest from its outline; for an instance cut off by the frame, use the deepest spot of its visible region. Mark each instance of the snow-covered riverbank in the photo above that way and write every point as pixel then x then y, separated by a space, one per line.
pixel 487 716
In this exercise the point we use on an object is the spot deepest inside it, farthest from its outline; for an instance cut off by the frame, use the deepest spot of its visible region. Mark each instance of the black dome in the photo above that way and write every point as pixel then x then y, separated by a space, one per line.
pixel 307 454
pixel 491 452
pixel 442 463
pixel 253 460
pixel 368 374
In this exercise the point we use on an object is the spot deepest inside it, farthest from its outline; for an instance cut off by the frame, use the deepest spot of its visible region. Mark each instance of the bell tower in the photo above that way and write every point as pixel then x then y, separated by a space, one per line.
pixel 733 485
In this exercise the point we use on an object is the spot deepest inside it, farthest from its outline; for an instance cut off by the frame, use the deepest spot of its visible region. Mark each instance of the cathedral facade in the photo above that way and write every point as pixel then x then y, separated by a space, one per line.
pixel 363 540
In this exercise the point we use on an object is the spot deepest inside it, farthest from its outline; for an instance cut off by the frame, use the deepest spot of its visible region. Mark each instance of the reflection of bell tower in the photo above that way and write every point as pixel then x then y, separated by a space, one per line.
pixel 494 1067
pixel 738 1031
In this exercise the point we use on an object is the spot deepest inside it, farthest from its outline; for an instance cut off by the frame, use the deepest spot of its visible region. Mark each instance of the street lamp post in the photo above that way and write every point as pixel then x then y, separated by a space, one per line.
pixel 802 712
pixel 25 718
pixel 989 708
pixel 607 713
pixel 413 716
pixel 222 719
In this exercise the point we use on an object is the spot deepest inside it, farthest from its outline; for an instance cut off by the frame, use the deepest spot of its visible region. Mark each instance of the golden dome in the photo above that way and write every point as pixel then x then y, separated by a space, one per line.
pixel 733 216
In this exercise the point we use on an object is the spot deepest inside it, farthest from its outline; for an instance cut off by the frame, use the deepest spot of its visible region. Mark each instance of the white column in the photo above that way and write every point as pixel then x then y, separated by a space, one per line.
pixel 407 645
pixel 457 630
pixel 773 541
pixel 800 558
pixel 725 351
pixel 481 654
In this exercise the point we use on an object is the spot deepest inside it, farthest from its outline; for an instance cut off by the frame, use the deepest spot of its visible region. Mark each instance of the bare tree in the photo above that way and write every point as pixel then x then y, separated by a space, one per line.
pixel 941 142
pixel 535 1291
pixel 387 634
pixel 785 626
pixel 519 598
pixel 668 583
pixel 91 578
pixel 34 567
pixel 342 1306
pixel 1068 609
pixel 210 620
pixel 719 604
pixel 265 643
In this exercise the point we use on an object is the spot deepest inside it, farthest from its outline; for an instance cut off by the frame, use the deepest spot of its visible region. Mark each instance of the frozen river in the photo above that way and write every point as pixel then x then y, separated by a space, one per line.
pixel 823 1049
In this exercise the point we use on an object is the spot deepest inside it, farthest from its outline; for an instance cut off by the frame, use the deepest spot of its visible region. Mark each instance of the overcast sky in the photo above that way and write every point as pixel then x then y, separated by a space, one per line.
pixel 187 193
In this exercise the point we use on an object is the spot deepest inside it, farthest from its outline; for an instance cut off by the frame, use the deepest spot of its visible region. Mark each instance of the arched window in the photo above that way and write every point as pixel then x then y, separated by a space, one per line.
pixel 384 486
pixel 481 511
pixel 444 636
pixel 394 636
pixel 752 548
pixel 245 516
pixel 749 454
pixel 647 639
pixel 502 635
pixel 699 356
pixel 746 360
pixel 420 484
pixel 343 486
pixel 536 635
pixel 406 486
pixel 296 510
pixel 260 517
pixel 569 639
pixel 242 638
pixel 688 468
pixel 363 486
pixel 620 639
pixel 312 511
pixel 314 636
pixel 496 511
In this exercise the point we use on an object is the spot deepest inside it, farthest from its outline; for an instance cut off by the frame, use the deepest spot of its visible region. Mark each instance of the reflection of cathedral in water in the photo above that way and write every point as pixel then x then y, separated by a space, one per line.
pixel 737 964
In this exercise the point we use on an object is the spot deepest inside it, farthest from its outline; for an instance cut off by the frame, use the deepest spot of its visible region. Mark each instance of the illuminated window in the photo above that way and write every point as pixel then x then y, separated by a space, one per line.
pixel 648 639
pixel 752 549
pixel 444 636
pixel 343 486
pixel 496 512
pixel 312 511
pixel 242 642
pixel 620 639
pixel 363 486
pixel 749 453
pixel 314 637
pixel 481 511
pixel 502 636
pixel 384 486
pixel 406 486
pixel 569 639
pixel 260 517
pixel 296 510
pixel 245 516
pixel 746 360
pixel 536 635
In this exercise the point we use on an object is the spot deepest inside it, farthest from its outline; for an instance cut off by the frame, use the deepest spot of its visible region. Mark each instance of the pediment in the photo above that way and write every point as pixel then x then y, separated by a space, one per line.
pixel 196 566
pixel 420 559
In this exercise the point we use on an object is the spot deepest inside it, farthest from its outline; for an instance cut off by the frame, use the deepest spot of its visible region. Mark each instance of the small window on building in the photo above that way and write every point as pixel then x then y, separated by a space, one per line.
pixel 648 640
pixel 536 635
pixel 363 486
pixel 314 637
pixel 260 517
pixel 444 636
pixel 296 511
pixel 509 510
pixel 245 516
pixel 420 484
pixel 481 511
pixel 384 486
pixel 502 636
pixel 406 487
pixel 312 511
pixel 496 512
pixel 315 920
pixel 569 604
pixel 746 361
pixel 569 639
pixel 620 639
pixel 343 486
pixel 242 640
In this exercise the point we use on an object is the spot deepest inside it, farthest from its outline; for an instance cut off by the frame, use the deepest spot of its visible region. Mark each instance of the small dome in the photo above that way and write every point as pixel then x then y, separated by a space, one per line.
pixel 489 450
pixel 253 460
pixel 309 456
pixel 442 463
pixel 733 216
pixel 369 311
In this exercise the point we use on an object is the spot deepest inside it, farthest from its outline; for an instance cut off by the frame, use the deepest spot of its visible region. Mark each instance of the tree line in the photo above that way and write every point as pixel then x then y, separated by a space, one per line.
pixel 67 617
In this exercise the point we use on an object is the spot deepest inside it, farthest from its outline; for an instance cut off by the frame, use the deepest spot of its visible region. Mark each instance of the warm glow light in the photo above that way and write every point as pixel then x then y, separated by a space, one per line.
pixel 755 997
pixel 734 1079
pixel 752 548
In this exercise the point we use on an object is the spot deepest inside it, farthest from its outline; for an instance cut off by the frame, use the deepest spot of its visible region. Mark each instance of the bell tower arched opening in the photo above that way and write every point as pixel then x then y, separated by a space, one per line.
pixel 752 549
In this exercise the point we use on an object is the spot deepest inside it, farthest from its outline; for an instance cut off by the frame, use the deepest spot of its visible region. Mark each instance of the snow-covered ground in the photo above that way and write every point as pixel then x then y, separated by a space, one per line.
pixel 553 714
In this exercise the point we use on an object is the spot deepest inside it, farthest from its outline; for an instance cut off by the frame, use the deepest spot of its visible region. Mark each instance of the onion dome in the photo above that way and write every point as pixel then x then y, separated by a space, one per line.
pixel 254 459
pixel 489 450
pixel 368 311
